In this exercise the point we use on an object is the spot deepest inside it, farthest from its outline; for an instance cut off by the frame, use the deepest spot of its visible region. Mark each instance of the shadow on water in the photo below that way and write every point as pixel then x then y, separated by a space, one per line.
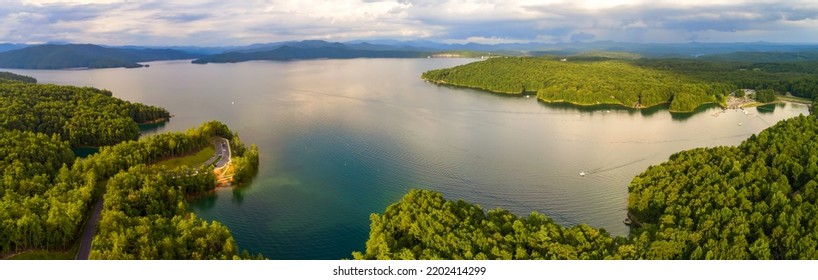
pixel 238 190
pixel 471 90
pixel 84 152
pixel 769 108
pixel 565 106
pixel 650 111
pixel 683 116
pixel 204 202
pixel 151 128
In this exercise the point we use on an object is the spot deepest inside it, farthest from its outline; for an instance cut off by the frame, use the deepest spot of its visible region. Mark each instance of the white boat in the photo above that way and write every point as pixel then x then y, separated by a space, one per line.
pixel 583 173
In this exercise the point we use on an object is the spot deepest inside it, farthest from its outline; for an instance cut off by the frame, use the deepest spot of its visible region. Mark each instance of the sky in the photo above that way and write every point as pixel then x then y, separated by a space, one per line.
pixel 233 23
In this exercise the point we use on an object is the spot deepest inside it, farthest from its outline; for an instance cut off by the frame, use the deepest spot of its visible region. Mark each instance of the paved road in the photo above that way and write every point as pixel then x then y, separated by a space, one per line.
pixel 90 230
pixel 223 150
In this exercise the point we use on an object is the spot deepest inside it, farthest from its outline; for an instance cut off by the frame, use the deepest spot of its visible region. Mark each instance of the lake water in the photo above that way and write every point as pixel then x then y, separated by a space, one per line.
pixel 341 139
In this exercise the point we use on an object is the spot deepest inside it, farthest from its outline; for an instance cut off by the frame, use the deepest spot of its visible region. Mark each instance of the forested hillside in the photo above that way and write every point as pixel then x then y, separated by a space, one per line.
pixel 754 201
pixel 81 116
pixel 295 52
pixel 43 197
pixel 45 192
pixel 583 82
pixel 423 225
pixel 10 77
pixel 84 56
pixel 145 214
pixel 682 83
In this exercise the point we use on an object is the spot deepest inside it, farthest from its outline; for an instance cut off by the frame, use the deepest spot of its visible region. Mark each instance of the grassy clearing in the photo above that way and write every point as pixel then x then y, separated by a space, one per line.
pixel 192 160
pixel 794 99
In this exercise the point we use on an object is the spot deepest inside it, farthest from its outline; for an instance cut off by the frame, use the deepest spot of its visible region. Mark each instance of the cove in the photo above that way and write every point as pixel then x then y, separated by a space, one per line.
pixel 341 139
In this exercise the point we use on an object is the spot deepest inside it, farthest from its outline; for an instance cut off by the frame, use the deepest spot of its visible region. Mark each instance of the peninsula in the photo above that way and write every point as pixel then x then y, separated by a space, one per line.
pixel 683 84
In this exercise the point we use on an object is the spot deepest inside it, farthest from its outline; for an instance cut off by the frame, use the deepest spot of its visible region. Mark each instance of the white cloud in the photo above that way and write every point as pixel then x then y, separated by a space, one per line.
pixel 213 22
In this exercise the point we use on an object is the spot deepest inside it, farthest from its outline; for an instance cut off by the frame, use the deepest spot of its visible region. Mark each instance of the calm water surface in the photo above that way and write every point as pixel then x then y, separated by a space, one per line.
pixel 341 139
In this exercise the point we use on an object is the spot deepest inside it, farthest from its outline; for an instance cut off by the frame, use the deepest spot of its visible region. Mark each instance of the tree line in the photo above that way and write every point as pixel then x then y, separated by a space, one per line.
pixel 45 191
pixel 83 116
pixel 145 217
pixel 583 82
pixel 756 200
pixel 684 84
pixel 43 197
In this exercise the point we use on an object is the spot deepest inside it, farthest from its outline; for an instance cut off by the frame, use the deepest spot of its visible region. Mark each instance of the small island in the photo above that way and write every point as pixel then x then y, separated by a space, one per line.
pixel 682 84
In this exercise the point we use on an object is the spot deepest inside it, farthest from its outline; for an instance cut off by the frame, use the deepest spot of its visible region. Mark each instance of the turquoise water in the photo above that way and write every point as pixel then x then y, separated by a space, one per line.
pixel 341 139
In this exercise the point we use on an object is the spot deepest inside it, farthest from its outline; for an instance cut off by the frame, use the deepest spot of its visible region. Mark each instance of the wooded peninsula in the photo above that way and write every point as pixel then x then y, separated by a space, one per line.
pixel 683 84
pixel 47 192
pixel 754 201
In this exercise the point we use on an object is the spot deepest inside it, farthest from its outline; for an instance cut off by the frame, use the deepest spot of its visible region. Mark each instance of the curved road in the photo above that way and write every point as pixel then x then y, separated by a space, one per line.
pixel 88 233
pixel 222 149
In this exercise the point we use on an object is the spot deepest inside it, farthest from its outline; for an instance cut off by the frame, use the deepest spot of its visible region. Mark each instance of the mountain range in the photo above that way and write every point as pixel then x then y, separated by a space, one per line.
pixel 62 56
pixel 52 56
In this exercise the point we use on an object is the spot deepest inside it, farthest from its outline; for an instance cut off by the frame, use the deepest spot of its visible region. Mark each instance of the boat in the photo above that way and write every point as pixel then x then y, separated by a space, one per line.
pixel 583 173
pixel 739 124
pixel 628 221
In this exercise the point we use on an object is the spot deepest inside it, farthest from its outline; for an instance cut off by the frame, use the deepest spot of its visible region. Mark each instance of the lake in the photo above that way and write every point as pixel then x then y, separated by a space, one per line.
pixel 341 139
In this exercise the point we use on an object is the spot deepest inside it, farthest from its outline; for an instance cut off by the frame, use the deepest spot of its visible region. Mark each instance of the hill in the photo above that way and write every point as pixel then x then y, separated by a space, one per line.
pixel 595 79
pixel 81 116
pixel 9 77
pixel 753 201
pixel 314 49
pixel 84 56
pixel 583 82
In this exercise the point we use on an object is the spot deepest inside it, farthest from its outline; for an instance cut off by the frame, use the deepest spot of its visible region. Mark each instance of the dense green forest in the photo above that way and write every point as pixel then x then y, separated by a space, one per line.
pixel 754 201
pixel 84 56
pixel 423 225
pixel 145 213
pixel 43 197
pixel 45 191
pixel 683 83
pixel 9 77
pixel 145 217
pixel 82 116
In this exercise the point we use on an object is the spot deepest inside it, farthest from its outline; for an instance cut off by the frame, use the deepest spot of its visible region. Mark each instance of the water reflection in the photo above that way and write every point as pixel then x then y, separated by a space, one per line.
pixel 341 139
pixel 83 152
pixel 769 108
pixel 204 202
pixel 683 116
pixel 152 128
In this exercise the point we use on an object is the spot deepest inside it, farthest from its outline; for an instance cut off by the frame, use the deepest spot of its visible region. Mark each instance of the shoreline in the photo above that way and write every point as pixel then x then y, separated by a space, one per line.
pixel 156 121
pixel 444 83
pixel 780 99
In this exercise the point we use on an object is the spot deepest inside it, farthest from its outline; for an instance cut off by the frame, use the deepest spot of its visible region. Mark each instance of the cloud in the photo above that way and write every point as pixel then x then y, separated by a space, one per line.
pixel 582 36
pixel 213 22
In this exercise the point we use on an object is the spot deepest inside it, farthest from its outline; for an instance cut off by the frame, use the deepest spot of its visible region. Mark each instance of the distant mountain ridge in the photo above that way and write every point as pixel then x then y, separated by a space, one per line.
pixel 312 49
pixel 62 56
pixel 67 56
